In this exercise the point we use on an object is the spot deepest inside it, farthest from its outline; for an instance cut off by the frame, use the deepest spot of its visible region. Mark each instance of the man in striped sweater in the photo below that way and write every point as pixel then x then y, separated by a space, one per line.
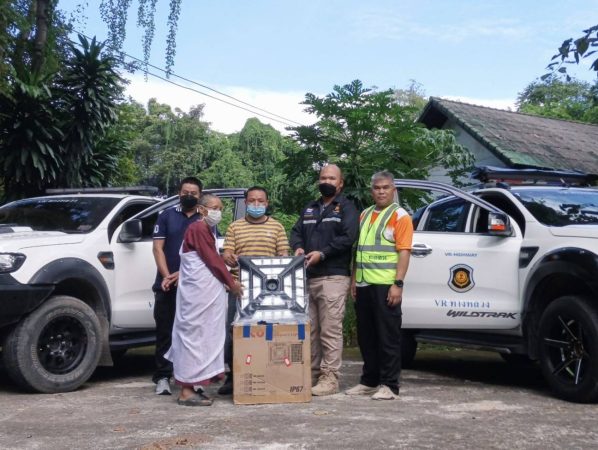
pixel 256 234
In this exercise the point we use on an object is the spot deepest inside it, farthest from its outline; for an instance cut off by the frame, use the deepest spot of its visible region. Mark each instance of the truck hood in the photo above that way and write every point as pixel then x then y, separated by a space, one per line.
pixel 581 231
pixel 13 242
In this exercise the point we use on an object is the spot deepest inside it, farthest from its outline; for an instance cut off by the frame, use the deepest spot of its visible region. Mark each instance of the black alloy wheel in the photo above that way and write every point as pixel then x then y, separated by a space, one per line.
pixel 569 348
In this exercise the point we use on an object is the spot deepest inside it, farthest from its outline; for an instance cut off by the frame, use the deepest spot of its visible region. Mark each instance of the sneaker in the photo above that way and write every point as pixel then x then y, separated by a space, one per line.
pixel 327 385
pixel 227 387
pixel 384 393
pixel 163 387
pixel 362 389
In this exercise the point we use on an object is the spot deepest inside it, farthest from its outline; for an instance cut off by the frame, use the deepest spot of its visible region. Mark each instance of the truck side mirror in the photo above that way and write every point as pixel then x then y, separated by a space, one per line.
pixel 131 231
pixel 499 224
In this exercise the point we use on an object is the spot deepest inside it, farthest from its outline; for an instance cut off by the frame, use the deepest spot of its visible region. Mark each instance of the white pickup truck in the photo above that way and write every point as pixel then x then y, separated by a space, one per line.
pixel 510 266
pixel 76 272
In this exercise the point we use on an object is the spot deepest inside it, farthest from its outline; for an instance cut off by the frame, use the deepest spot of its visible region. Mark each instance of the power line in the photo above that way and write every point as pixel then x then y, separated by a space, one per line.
pixel 285 120
pixel 216 98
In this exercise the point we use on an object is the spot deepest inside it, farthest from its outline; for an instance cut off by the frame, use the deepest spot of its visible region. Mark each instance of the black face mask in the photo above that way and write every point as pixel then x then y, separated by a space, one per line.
pixel 327 190
pixel 188 201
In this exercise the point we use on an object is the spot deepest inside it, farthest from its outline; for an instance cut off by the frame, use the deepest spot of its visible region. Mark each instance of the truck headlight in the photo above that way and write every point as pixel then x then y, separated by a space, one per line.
pixel 9 262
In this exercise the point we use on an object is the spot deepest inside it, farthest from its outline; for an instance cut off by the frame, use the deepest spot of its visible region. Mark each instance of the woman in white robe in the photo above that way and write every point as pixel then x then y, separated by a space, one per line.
pixel 198 334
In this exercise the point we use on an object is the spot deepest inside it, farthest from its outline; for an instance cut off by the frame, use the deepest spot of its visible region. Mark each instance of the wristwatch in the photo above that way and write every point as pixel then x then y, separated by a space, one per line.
pixel 399 283
pixel 322 256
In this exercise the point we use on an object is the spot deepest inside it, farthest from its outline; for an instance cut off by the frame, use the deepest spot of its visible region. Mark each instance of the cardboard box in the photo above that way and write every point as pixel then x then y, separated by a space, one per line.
pixel 272 364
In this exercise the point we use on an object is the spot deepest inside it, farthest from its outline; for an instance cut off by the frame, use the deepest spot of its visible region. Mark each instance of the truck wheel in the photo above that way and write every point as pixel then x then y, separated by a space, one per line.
pixel 568 339
pixel 54 349
pixel 408 349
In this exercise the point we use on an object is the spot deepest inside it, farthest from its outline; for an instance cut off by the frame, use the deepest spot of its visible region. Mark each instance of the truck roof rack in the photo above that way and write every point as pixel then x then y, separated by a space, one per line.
pixel 544 177
pixel 131 190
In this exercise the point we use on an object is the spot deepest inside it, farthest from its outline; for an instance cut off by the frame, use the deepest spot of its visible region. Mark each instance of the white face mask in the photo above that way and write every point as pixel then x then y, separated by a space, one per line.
pixel 213 218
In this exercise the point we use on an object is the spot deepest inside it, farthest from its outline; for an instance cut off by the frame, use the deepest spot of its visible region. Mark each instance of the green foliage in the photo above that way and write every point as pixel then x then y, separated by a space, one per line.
pixel 169 146
pixel 50 125
pixel 87 91
pixel 364 131
pixel 287 220
pixel 29 133
pixel 115 14
pixel 553 97
pixel 261 150
pixel 572 51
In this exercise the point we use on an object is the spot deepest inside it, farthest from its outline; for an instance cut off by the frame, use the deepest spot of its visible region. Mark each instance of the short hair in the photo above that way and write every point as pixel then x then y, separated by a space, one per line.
pixel 256 188
pixel 382 175
pixel 205 199
pixel 191 180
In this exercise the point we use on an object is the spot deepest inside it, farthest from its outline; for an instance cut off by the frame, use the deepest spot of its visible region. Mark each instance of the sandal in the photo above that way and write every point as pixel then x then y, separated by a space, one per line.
pixel 200 399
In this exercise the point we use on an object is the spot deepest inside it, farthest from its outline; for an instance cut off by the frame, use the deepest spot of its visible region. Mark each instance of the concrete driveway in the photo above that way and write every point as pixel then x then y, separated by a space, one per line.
pixel 450 399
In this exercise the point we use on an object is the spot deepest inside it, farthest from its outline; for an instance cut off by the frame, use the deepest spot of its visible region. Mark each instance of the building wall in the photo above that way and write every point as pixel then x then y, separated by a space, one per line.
pixel 482 156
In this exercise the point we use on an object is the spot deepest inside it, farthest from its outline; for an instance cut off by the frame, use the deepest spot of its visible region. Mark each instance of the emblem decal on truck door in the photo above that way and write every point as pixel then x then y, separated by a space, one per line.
pixel 461 278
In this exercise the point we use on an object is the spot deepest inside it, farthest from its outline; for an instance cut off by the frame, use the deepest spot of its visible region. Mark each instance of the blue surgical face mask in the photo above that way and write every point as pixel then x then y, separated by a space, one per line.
pixel 256 211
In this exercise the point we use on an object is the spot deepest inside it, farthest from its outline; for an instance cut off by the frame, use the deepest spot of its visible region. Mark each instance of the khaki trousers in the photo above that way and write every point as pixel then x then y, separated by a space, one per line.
pixel 327 296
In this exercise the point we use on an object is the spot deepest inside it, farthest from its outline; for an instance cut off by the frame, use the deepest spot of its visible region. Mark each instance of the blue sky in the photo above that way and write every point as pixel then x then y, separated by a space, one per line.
pixel 270 53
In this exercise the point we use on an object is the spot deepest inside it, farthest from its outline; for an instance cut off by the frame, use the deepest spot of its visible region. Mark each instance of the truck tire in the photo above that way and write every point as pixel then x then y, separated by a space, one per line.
pixel 568 340
pixel 54 349
pixel 408 349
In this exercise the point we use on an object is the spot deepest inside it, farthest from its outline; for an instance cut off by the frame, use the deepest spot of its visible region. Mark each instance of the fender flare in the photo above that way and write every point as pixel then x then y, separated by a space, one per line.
pixel 577 262
pixel 65 268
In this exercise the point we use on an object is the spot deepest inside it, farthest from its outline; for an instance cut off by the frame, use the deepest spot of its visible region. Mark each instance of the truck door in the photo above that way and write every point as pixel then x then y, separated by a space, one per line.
pixel 135 268
pixel 460 275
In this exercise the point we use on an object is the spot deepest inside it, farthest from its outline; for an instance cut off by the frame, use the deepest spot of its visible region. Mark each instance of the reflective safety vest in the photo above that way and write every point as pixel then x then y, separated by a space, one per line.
pixel 376 258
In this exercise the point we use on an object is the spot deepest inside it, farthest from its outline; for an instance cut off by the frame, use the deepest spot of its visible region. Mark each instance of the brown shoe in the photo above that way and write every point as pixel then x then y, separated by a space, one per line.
pixel 327 385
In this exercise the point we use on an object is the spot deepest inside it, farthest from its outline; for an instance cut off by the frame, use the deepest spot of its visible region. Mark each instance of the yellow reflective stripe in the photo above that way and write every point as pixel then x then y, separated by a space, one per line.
pixel 378 248
pixel 383 220
pixel 366 215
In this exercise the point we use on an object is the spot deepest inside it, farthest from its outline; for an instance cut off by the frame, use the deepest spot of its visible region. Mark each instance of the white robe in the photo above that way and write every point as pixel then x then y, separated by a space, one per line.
pixel 198 334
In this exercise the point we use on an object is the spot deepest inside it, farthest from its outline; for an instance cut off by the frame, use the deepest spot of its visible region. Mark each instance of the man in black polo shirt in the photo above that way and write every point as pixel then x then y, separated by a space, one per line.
pixel 325 233
pixel 168 237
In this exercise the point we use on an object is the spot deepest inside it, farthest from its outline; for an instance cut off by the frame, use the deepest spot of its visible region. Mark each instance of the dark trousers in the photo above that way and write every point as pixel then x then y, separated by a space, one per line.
pixel 228 343
pixel 378 335
pixel 164 312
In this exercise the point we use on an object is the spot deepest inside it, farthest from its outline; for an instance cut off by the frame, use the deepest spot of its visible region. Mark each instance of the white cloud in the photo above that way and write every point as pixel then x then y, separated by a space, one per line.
pixel 391 25
pixel 223 117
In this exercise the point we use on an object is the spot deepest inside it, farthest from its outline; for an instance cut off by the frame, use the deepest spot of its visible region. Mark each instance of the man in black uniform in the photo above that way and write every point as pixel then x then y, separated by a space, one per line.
pixel 168 236
pixel 325 233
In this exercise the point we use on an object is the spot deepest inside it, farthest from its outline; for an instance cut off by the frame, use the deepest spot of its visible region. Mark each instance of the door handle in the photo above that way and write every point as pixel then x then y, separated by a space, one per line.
pixel 420 250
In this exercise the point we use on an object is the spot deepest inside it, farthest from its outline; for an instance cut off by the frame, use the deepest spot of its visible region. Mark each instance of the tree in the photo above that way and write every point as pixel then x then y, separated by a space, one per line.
pixel 51 123
pixel 87 89
pixel 115 13
pixel 31 38
pixel 572 51
pixel 553 97
pixel 413 96
pixel 261 149
pixel 364 131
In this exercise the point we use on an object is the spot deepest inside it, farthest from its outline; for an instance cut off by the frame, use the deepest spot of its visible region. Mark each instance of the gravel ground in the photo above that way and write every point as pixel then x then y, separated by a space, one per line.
pixel 449 399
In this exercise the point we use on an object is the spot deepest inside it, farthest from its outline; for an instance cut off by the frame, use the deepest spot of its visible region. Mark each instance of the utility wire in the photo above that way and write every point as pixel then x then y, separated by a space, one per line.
pixel 216 98
pixel 286 120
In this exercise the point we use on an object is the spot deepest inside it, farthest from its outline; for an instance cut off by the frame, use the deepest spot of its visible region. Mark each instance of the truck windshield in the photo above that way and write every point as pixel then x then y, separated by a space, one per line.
pixel 561 207
pixel 66 214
